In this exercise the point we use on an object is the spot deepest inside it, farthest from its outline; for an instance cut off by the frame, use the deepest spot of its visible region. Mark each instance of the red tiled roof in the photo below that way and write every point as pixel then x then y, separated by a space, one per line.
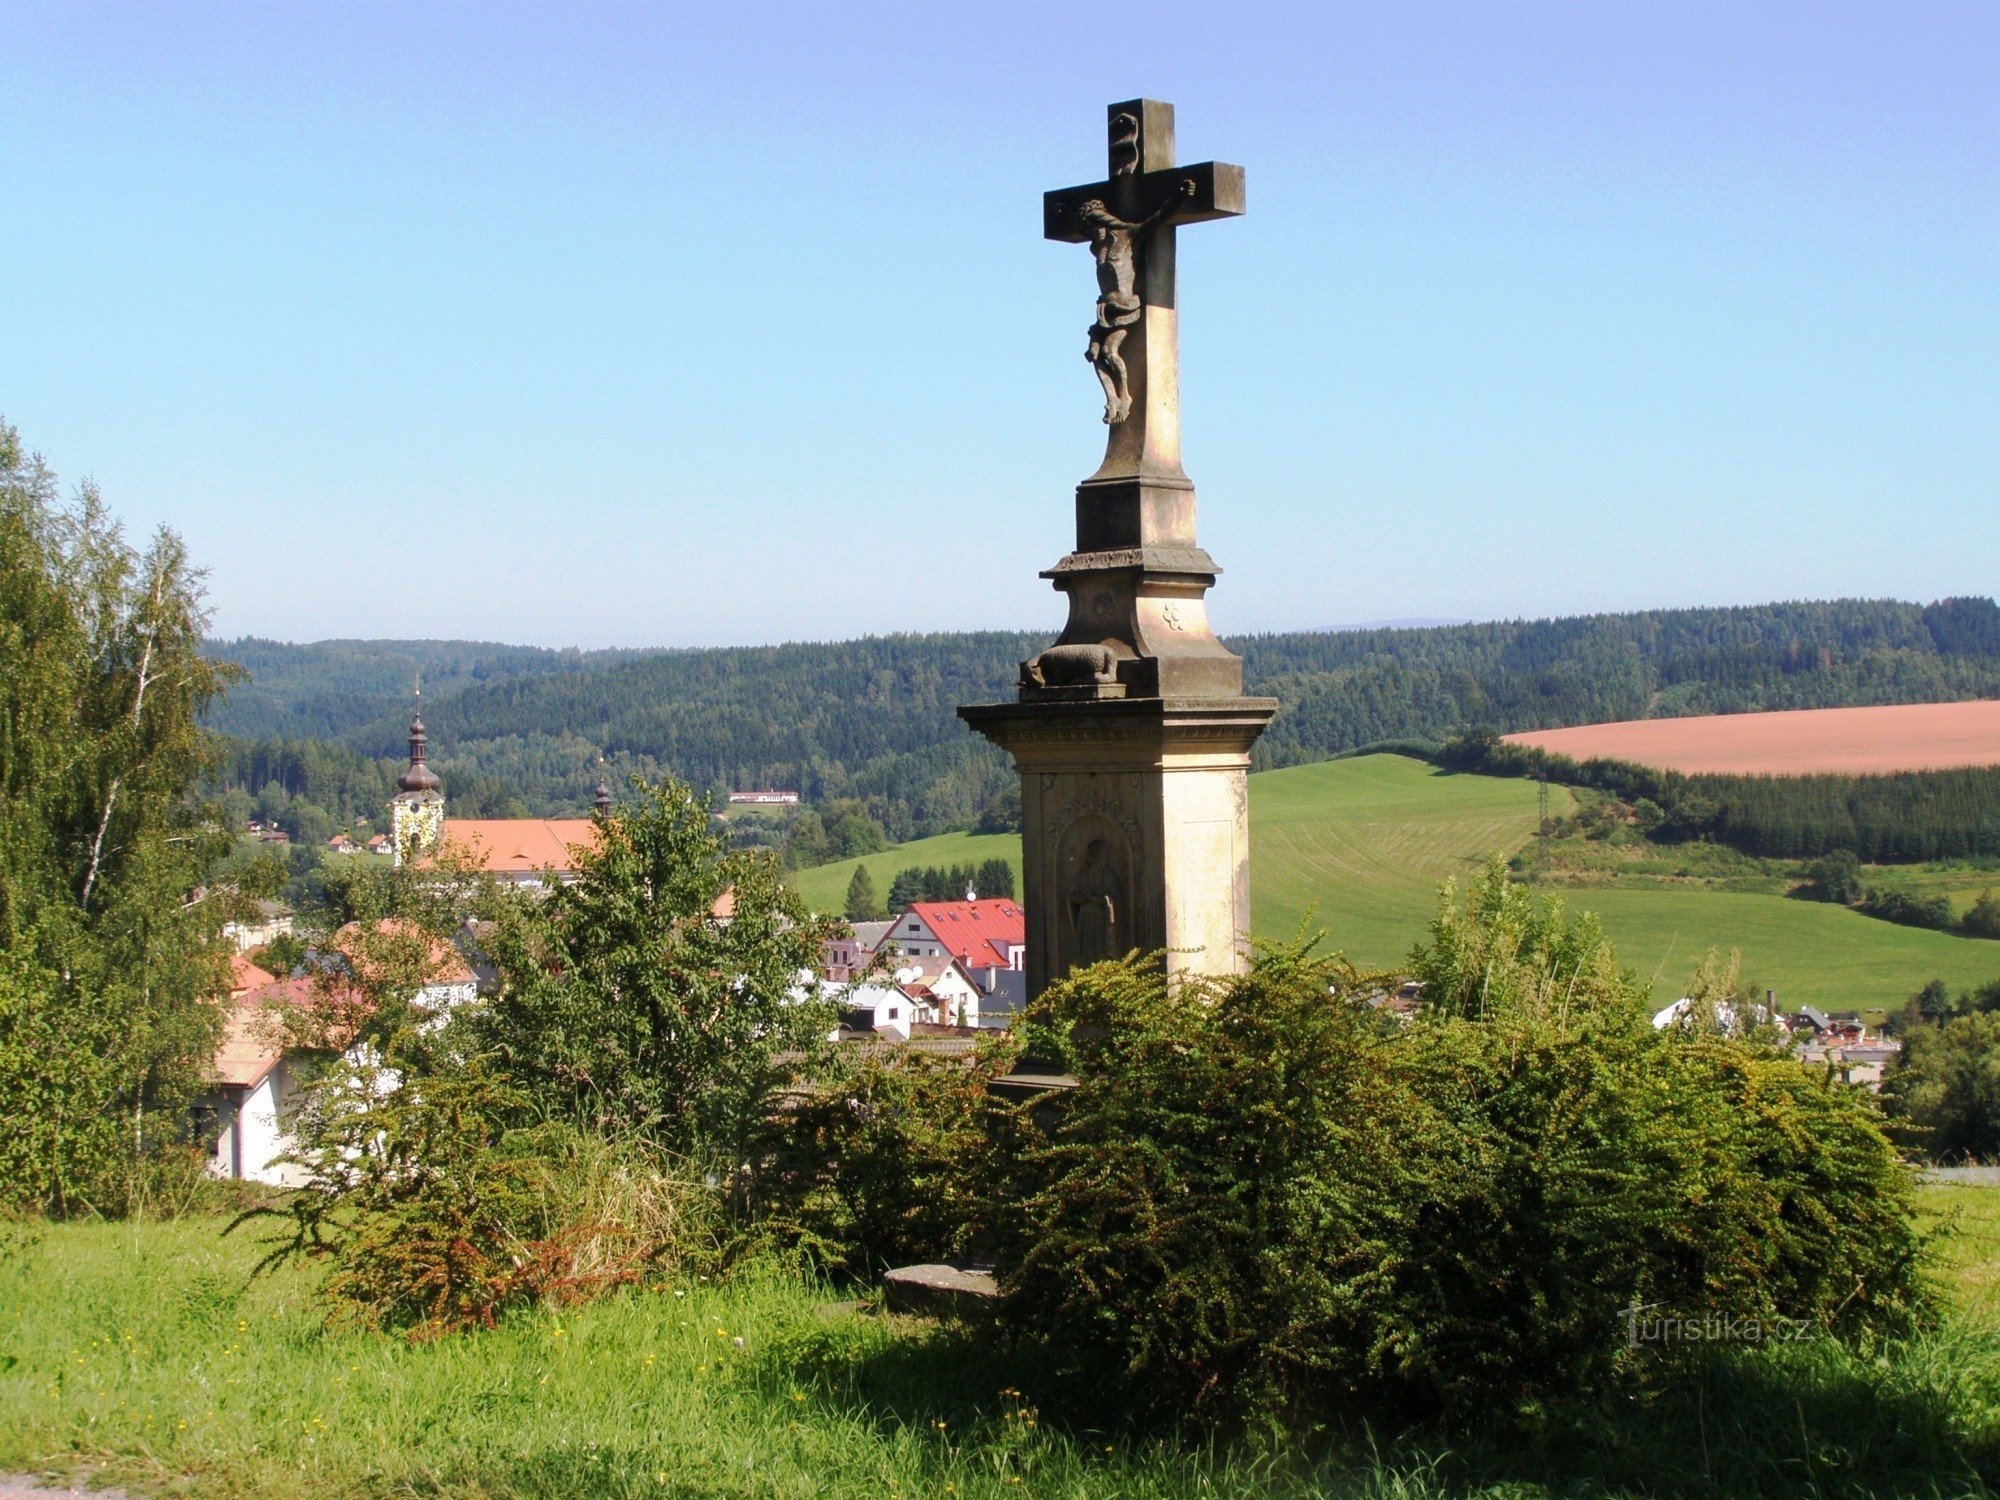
pixel 976 933
pixel 252 1031
pixel 519 846
pixel 244 975
pixel 446 966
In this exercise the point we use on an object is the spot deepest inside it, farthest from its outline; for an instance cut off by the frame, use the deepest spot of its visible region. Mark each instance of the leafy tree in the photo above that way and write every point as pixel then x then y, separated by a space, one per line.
pixel 1982 918
pixel 851 830
pixel 109 953
pixel 995 878
pixel 862 905
pixel 1002 813
pixel 1836 877
pixel 1925 1007
pixel 907 888
pixel 1943 1090
pixel 631 1002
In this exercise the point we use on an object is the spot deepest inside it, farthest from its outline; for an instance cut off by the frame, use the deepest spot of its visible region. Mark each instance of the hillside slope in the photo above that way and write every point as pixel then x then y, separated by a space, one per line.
pixel 874 718
pixel 1358 848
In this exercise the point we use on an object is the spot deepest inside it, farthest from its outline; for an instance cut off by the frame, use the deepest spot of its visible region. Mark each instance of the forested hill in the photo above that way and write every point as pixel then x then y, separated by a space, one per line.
pixel 327 688
pixel 873 718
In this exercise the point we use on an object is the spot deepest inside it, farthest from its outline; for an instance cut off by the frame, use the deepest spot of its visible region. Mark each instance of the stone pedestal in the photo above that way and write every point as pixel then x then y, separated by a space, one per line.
pixel 1131 733
pixel 1135 827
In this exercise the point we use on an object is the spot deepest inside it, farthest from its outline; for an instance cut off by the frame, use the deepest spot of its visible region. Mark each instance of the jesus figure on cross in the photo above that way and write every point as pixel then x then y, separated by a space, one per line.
pixel 1115 244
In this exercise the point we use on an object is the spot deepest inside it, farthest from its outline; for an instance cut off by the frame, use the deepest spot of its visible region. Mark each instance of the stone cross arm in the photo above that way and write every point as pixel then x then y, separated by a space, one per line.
pixel 1181 195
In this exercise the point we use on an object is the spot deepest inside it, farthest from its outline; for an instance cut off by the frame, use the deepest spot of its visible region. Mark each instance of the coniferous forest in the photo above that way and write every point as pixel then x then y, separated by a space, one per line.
pixel 520 731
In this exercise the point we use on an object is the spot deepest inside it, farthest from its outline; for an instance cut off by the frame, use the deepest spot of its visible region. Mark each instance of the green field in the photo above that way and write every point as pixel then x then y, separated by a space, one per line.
pixel 825 886
pixel 1358 847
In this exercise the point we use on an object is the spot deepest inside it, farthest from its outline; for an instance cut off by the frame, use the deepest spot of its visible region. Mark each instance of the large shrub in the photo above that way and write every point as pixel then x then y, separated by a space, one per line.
pixel 666 990
pixel 434 1207
pixel 1944 1089
pixel 877 1161
pixel 1265 1191
pixel 574 1132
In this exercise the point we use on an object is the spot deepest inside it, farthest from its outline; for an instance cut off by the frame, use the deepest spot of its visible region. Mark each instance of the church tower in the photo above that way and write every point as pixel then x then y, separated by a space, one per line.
pixel 416 813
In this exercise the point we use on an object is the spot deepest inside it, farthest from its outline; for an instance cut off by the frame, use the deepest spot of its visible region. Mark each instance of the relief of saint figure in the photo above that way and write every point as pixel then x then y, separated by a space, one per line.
pixel 1114 244
pixel 1097 907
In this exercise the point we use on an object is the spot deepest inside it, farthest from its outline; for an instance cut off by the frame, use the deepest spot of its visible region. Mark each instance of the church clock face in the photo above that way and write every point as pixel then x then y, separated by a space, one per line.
pixel 417 826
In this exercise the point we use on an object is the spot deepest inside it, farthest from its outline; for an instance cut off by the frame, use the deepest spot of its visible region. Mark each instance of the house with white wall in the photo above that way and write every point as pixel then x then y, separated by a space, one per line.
pixel 261 1065
pixel 944 992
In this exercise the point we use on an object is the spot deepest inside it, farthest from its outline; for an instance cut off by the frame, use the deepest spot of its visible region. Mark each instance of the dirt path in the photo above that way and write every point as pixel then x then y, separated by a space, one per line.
pixel 27 1487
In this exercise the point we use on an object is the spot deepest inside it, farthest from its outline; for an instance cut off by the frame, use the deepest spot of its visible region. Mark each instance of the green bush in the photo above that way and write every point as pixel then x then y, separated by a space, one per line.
pixel 1264 1192
pixel 1911 911
pixel 1944 1090
pixel 1836 877
pixel 1982 918
pixel 433 1210
pixel 876 1163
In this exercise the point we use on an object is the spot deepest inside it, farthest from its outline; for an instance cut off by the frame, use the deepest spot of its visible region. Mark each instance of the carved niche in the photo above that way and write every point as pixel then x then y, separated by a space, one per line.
pixel 1096 846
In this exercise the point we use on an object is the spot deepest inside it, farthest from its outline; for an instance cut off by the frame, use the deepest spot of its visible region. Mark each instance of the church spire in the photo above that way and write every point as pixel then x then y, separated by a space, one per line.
pixel 419 777
pixel 416 812
pixel 601 798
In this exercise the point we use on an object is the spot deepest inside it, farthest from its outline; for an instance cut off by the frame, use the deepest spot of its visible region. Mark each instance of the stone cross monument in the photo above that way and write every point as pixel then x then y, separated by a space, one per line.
pixel 1131 733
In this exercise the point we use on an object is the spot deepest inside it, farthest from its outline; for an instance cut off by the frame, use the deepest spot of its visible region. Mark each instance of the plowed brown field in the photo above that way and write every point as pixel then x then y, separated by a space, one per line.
pixel 1851 741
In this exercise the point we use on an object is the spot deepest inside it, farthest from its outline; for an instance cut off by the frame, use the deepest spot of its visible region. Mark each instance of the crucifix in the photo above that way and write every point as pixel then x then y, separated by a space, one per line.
pixel 1128 220
pixel 1131 731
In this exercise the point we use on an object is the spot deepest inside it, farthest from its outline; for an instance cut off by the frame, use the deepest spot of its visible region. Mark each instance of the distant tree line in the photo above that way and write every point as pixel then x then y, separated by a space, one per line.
pixel 1903 817
pixel 988 881
pixel 872 720
pixel 1836 877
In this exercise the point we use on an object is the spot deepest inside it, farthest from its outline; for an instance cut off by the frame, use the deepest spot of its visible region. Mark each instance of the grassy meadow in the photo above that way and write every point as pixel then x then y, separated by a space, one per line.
pixel 1359 846
pixel 144 1354
pixel 825 886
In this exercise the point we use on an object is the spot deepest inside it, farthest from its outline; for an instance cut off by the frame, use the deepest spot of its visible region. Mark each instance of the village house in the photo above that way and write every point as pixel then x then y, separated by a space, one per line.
pixel 271 919
pixel 340 843
pixel 872 1009
pixel 846 958
pixel 943 992
pixel 988 938
pixel 260 1067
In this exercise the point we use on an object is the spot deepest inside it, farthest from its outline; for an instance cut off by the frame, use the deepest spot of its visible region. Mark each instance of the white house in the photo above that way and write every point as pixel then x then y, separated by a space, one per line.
pixel 258 1070
pixel 880 1008
pixel 990 934
pixel 271 919
pixel 988 939
pixel 944 992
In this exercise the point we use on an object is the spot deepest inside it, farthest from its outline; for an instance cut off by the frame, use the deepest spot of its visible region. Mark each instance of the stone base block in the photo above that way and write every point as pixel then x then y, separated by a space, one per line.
pixel 941 1291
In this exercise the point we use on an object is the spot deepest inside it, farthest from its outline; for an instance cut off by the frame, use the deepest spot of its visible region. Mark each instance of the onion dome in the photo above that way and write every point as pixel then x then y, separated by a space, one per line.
pixel 420 777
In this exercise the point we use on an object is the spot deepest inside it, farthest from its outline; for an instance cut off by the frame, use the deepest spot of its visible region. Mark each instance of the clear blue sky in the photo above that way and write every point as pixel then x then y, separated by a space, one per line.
pixel 679 324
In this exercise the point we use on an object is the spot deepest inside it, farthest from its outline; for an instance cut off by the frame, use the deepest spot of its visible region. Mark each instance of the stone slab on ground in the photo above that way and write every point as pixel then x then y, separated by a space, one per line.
pixel 32 1487
pixel 941 1290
